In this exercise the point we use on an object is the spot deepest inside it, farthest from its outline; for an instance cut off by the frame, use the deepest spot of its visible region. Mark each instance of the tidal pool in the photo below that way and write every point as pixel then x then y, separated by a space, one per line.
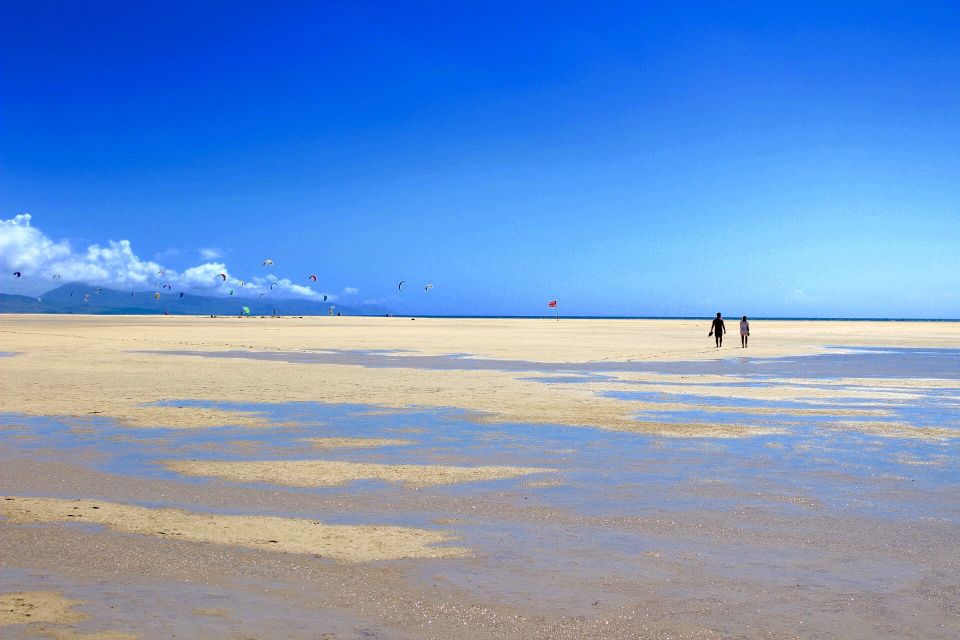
pixel 819 526
pixel 838 362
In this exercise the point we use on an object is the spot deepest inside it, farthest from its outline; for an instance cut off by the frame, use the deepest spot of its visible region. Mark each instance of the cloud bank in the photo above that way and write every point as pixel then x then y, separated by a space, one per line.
pixel 44 263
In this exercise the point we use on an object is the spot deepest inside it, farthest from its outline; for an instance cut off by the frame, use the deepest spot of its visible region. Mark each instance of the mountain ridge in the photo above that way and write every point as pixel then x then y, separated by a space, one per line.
pixel 80 297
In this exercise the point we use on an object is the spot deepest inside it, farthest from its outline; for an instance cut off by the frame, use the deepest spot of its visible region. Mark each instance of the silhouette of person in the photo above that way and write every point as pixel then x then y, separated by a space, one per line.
pixel 744 332
pixel 717 329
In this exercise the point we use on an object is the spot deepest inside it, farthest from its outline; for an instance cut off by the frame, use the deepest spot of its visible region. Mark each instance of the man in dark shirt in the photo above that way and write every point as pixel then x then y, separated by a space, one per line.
pixel 717 329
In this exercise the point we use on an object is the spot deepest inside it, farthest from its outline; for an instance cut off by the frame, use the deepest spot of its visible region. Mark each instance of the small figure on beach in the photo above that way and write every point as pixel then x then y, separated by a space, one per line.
pixel 744 332
pixel 717 329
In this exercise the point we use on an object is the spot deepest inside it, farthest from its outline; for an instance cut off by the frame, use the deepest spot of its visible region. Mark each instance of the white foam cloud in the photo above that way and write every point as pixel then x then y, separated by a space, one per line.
pixel 26 249
pixel 348 291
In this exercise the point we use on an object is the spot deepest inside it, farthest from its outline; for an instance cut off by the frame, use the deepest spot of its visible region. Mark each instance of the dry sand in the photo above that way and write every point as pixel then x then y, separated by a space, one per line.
pixel 329 473
pixel 344 543
pixel 90 365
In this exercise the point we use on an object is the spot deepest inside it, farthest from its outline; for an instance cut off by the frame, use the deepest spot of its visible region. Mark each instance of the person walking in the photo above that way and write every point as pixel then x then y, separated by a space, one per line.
pixel 717 329
pixel 744 332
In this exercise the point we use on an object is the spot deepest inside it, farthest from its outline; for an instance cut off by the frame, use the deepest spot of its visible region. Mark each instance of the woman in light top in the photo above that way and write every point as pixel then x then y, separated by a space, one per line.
pixel 744 332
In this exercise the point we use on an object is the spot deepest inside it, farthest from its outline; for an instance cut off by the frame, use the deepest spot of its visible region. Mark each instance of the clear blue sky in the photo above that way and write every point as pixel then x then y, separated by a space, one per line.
pixel 626 159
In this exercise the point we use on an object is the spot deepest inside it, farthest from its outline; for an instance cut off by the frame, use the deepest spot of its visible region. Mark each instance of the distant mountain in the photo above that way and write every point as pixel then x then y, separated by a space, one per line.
pixel 77 297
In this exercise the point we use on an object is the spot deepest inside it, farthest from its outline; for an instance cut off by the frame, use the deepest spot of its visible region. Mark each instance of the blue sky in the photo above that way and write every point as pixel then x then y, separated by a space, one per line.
pixel 625 159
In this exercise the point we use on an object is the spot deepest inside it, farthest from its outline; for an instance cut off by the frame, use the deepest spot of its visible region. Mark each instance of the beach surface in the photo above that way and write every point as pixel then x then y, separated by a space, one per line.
pixel 477 478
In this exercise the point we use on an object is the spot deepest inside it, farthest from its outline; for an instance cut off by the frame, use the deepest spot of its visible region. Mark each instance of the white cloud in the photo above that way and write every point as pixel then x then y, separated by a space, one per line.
pixel 114 263
pixel 209 253
pixel 203 276
pixel 349 291
pixel 25 248
pixel 160 256
pixel 282 286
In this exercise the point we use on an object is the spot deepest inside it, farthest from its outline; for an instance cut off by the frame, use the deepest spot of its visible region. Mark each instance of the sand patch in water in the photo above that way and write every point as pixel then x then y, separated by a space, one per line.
pixel 344 543
pixel 70 634
pixel 545 483
pixel 898 430
pixel 191 417
pixel 356 443
pixel 703 430
pixel 330 473
pixel 25 607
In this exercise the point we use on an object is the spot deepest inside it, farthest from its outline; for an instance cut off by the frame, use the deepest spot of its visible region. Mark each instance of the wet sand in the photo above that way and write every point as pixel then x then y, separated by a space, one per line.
pixel 358 478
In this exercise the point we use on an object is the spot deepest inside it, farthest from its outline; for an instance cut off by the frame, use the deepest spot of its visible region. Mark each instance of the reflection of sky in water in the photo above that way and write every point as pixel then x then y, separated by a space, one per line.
pixel 602 473
pixel 934 408
pixel 720 401
pixel 840 362
pixel 571 378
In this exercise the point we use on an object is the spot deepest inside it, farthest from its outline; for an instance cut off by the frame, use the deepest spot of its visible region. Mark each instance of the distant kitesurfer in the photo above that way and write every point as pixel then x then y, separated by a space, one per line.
pixel 744 332
pixel 717 329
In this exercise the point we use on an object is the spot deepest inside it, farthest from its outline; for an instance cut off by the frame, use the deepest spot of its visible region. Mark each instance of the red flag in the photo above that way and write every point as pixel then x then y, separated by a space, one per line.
pixel 552 304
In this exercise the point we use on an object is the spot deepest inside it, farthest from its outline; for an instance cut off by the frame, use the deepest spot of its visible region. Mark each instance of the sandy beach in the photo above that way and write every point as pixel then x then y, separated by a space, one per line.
pixel 349 477
pixel 119 379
